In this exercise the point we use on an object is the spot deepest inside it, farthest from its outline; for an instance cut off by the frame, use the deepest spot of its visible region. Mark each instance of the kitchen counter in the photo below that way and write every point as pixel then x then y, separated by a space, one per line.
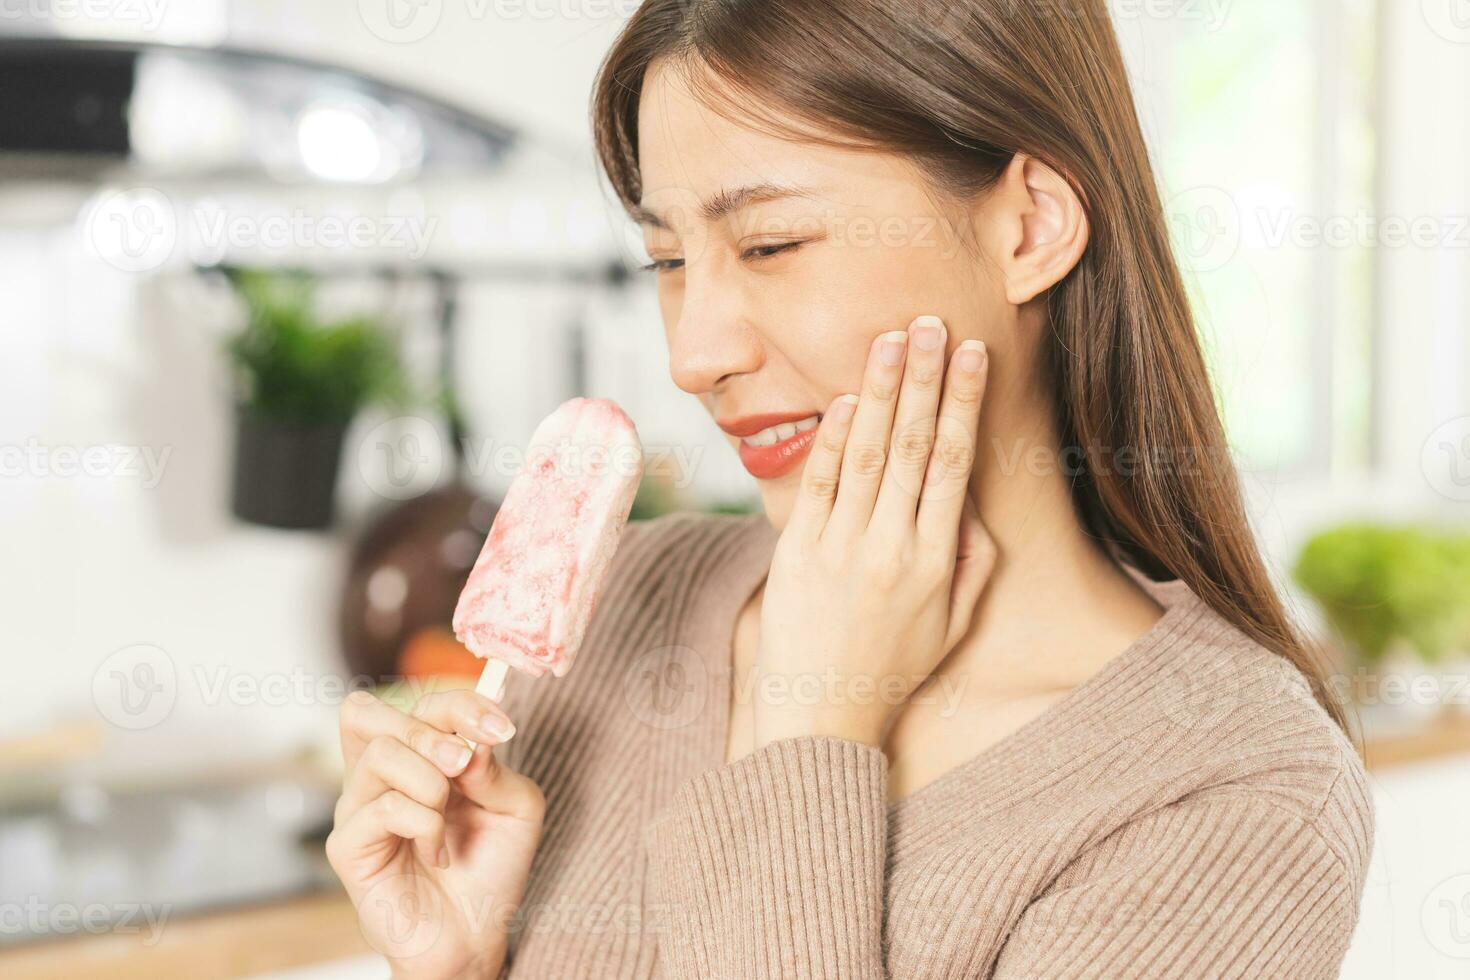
pixel 236 943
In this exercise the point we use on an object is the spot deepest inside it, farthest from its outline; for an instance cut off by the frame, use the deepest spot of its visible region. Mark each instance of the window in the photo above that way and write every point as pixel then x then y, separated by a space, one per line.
pixel 1261 123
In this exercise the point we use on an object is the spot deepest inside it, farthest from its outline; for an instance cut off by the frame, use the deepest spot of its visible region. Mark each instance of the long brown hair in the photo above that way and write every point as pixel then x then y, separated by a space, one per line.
pixel 961 87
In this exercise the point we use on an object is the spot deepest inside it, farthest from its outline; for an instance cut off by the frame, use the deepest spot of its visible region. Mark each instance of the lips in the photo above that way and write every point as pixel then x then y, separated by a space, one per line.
pixel 768 458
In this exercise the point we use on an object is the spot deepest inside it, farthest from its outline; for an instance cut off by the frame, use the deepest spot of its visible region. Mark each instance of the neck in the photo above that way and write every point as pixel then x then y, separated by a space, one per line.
pixel 1056 606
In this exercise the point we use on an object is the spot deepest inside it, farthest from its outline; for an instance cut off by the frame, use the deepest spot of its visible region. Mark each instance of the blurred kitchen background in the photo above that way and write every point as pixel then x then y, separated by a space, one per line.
pixel 285 285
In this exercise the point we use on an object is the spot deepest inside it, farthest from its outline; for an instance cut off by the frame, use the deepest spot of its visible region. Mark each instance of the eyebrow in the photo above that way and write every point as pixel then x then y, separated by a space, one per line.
pixel 726 202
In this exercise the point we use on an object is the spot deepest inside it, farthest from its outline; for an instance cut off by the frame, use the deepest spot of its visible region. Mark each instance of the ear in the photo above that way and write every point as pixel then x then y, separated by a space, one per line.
pixel 1038 228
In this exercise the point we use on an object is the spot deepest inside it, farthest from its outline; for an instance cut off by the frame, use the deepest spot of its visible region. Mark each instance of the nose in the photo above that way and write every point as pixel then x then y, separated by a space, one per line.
pixel 712 339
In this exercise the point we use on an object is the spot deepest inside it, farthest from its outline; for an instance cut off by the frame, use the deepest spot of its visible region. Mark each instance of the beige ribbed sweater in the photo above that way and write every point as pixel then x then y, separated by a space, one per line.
pixel 1189 811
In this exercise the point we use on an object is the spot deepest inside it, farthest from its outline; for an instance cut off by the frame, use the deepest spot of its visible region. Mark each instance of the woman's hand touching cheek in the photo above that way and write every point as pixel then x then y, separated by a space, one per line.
pixel 878 571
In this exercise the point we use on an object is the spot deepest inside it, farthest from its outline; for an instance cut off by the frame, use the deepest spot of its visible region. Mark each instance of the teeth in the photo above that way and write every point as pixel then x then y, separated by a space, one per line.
pixel 765 437
pixel 782 432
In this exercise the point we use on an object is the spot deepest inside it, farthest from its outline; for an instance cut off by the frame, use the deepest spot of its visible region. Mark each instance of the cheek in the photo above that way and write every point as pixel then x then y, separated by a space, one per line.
pixel 825 343
pixel 826 318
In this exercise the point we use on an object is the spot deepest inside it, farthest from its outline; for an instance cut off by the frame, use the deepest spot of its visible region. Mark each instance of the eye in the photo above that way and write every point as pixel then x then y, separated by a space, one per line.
pixel 663 265
pixel 766 251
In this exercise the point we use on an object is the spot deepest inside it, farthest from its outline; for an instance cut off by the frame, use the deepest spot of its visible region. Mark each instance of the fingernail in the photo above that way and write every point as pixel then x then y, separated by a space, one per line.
pixel 843 408
pixel 453 757
pixel 970 355
pixel 890 347
pixel 928 333
pixel 443 857
pixel 496 727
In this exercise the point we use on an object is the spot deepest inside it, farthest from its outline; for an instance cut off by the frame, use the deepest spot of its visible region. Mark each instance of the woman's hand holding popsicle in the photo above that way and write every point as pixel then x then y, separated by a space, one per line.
pixel 432 841
pixel 433 837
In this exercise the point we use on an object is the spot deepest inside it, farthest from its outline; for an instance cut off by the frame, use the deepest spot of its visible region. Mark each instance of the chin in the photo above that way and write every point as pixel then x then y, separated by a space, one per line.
pixel 778 497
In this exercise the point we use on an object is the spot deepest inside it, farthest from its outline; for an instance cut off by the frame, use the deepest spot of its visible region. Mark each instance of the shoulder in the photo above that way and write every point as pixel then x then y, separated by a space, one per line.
pixel 1226 777
pixel 1247 718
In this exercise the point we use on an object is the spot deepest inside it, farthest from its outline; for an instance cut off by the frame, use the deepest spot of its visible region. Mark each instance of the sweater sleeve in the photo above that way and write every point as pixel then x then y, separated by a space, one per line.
pixel 773 865
pixel 1223 887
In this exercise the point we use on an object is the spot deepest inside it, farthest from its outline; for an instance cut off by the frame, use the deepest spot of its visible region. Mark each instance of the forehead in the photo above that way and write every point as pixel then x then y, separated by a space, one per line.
pixel 683 141
pixel 691 154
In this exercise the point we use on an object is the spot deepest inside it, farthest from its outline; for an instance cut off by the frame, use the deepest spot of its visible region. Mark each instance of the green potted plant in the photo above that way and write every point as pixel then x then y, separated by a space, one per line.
pixel 300 382
pixel 1399 597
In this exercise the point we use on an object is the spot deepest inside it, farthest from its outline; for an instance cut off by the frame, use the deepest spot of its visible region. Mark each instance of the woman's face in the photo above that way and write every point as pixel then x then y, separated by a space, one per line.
pixel 778 262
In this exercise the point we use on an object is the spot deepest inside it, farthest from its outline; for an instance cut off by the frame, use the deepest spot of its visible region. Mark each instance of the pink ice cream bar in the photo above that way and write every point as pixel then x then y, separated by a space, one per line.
pixel 534 586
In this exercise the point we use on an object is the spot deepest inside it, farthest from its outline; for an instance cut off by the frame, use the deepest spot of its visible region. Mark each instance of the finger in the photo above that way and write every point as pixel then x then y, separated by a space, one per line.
pixel 466 713
pixel 866 452
pixel 373 829
pixel 957 430
pixel 823 466
pixel 364 718
pixel 913 426
pixel 975 560
pixel 493 787
pixel 388 764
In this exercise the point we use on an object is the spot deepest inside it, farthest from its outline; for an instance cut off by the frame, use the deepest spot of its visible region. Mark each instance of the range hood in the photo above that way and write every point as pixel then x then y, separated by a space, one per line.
pixel 87 110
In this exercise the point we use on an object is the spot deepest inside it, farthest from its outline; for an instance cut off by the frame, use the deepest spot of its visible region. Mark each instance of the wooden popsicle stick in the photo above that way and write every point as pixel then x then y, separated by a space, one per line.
pixel 492 680
pixel 491 684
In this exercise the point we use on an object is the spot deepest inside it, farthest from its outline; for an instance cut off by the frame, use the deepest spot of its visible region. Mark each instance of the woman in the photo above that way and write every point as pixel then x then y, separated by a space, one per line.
pixel 1001 693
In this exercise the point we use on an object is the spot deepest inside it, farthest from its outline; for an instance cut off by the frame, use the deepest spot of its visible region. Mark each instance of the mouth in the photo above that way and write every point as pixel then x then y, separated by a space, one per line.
pixel 773 445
